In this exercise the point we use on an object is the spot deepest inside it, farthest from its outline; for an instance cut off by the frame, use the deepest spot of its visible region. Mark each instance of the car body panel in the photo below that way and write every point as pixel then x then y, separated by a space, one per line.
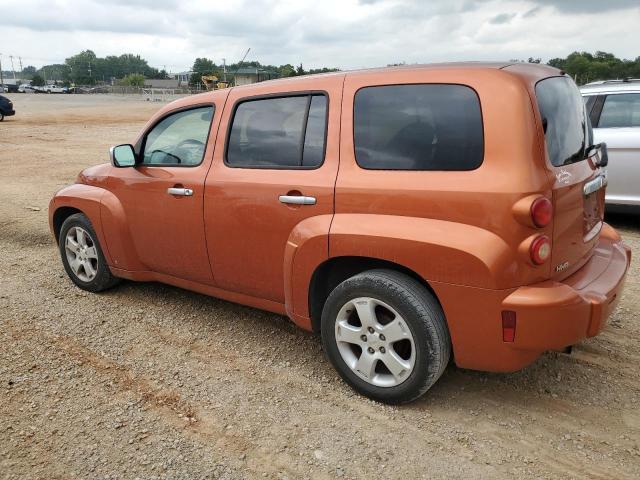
pixel 623 171
pixel 6 107
pixel 482 198
pixel 83 198
pixel 242 207
pixel 623 144
pixel 167 231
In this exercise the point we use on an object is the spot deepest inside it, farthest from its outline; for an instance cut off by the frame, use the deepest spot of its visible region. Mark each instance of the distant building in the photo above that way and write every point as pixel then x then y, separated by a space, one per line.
pixel 158 83
pixel 183 78
pixel 248 75
pixel 11 81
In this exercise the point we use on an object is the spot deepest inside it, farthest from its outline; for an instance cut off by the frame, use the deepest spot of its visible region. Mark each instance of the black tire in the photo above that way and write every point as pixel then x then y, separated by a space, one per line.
pixel 421 312
pixel 1 116
pixel 103 278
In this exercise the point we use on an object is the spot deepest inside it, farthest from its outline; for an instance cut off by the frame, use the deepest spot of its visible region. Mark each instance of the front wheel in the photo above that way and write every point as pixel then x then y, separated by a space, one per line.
pixel 386 335
pixel 82 256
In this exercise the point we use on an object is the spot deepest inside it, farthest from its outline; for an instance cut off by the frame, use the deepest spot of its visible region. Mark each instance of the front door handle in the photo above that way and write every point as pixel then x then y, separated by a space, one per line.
pixel 185 192
pixel 297 200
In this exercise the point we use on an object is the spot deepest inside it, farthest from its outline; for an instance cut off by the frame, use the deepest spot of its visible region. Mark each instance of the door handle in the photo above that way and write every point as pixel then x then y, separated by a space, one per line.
pixel 185 192
pixel 297 200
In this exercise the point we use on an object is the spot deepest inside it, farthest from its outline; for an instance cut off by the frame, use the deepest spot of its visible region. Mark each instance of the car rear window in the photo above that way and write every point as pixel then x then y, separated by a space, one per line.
pixel 281 132
pixel 418 127
pixel 567 129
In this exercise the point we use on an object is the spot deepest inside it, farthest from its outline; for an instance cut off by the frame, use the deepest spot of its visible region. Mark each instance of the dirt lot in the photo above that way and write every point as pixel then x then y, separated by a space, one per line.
pixel 151 381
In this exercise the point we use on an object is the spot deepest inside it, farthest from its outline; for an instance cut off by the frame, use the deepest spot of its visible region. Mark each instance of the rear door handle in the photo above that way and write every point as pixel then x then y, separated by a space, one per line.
pixel 185 192
pixel 297 200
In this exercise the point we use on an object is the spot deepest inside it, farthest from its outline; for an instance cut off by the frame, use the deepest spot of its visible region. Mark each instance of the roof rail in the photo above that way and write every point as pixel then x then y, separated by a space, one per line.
pixel 616 80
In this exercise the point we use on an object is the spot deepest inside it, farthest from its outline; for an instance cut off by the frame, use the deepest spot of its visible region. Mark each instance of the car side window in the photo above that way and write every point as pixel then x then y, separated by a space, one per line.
pixel 281 132
pixel 179 139
pixel 622 110
pixel 418 127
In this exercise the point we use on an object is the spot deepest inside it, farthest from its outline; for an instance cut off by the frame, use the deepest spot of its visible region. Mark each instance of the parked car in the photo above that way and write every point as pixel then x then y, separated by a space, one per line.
pixel 51 89
pixel 6 108
pixel 460 223
pixel 614 109
pixel 9 88
pixel 26 88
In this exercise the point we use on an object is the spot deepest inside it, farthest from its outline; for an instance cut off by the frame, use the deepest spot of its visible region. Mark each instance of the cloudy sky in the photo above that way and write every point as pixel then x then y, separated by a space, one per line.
pixel 340 33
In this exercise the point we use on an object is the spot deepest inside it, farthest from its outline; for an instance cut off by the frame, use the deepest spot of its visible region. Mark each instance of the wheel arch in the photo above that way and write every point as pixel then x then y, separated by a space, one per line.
pixel 335 270
pixel 78 198
pixel 58 218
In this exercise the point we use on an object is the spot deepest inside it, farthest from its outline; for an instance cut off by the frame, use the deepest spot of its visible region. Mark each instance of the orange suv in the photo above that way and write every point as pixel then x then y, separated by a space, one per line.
pixel 408 214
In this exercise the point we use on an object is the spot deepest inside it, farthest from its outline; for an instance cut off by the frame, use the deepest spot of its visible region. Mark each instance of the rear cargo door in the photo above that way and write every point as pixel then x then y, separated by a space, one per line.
pixel 579 186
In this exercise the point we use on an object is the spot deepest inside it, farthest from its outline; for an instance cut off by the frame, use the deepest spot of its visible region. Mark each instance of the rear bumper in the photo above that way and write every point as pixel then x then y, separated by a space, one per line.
pixel 549 316
pixel 8 113
pixel 553 315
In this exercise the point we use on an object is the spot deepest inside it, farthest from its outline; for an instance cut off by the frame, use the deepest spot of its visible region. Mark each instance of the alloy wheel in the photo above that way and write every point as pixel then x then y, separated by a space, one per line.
pixel 375 342
pixel 81 253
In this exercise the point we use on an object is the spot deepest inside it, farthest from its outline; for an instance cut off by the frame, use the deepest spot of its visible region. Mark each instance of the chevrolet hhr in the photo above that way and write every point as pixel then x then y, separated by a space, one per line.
pixel 410 215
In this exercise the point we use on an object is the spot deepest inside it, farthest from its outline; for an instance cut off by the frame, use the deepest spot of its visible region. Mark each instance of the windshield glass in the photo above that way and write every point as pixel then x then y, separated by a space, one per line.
pixel 567 129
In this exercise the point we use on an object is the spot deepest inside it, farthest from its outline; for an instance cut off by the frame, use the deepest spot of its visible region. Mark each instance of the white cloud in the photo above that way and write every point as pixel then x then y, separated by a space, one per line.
pixel 342 33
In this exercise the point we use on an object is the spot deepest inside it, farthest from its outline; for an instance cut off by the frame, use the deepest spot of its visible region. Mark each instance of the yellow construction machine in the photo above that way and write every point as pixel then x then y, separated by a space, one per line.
pixel 211 82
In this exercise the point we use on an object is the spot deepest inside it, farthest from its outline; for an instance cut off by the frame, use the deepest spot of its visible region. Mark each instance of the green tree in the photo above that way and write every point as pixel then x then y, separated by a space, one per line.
pixel 203 66
pixel 286 70
pixel 134 80
pixel 586 67
pixel 29 71
pixel 37 80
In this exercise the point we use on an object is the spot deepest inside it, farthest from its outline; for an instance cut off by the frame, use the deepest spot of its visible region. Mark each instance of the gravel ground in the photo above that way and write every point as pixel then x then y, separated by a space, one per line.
pixel 149 381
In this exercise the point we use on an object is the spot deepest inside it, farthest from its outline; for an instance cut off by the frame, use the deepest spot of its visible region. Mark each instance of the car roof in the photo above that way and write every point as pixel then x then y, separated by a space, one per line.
pixel 524 69
pixel 529 72
pixel 611 86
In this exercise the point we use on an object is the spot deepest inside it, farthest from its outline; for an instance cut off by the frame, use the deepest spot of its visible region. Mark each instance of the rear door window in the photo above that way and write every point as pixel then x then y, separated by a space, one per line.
pixel 567 129
pixel 619 111
pixel 418 127
pixel 281 132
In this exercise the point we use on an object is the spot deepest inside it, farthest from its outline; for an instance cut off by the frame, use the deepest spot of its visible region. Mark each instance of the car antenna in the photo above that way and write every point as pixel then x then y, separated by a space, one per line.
pixel 239 64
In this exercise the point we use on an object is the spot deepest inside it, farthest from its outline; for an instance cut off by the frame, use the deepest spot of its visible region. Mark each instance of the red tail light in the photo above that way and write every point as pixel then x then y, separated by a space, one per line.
pixel 540 249
pixel 508 325
pixel 541 212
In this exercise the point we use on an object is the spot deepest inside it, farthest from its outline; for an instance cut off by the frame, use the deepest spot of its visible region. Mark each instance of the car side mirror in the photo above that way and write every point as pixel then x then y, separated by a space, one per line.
pixel 123 156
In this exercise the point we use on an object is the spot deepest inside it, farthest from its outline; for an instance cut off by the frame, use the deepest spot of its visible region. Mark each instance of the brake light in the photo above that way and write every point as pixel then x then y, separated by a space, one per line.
pixel 508 325
pixel 541 212
pixel 540 249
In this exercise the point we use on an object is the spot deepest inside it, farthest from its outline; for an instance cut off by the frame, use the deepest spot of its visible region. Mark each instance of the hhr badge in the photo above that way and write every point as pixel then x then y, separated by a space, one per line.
pixel 562 266
pixel 563 176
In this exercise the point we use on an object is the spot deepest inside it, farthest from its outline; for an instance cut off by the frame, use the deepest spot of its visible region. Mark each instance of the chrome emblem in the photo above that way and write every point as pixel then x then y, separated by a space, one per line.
pixel 563 176
pixel 562 266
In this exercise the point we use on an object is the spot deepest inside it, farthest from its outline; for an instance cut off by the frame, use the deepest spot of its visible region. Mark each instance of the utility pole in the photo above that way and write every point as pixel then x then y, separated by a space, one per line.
pixel 13 69
pixel 21 70
pixel 89 69
pixel 224 70
pixel 1 77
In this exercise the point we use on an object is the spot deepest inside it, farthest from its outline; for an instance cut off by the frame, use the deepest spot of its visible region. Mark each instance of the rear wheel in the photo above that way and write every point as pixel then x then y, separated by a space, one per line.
pixel 386 335
pixel 82 256
pixel 1 116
